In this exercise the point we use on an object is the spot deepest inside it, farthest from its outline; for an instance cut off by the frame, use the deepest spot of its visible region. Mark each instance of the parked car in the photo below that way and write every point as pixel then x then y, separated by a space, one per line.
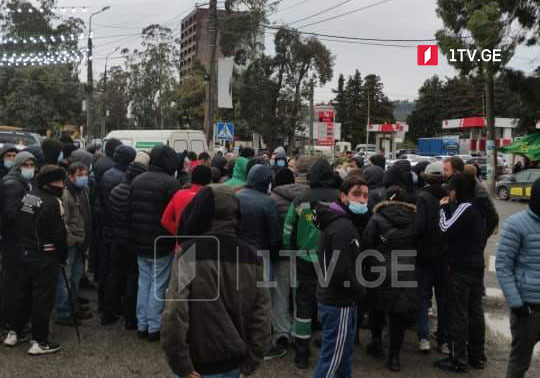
pixel 517 186
pixel 20 139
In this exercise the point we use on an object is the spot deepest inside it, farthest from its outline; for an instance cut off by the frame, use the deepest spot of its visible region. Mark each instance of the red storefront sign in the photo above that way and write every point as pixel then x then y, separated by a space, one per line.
pixel 326 137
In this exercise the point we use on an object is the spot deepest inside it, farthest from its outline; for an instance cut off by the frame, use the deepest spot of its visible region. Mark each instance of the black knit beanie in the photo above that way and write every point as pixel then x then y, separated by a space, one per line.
pixel 50 173
pixel 201 175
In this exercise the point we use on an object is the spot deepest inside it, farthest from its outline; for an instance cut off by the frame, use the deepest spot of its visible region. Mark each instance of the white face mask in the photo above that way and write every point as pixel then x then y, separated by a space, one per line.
pixel 27 173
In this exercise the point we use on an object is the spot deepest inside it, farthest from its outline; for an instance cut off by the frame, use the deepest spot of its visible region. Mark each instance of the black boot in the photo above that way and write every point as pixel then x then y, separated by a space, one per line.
pixel 301 359
pixel 393 361
pixel 375 349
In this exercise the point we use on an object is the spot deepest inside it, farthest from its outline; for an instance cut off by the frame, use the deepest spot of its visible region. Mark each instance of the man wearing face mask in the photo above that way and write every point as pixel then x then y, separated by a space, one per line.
pixel 280 160
pixel 340 223
pixel 78 221
pixel 41 239
pixel 7 156
pixel 14 186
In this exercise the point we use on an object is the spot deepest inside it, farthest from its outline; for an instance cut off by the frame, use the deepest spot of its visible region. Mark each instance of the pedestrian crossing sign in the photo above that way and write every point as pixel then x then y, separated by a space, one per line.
pixel 225 131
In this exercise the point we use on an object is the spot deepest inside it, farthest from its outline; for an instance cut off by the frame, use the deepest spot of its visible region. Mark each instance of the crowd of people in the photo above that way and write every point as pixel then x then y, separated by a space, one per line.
pixel 284 246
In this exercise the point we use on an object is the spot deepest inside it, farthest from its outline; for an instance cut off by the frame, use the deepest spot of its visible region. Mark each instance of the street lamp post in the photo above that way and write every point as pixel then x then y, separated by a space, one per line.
pixel 90 131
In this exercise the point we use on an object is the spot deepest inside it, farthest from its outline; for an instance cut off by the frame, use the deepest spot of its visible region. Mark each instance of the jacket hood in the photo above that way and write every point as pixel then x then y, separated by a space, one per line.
pixel 219 162
pixel 403 164
pixel 289 192
pixel 123 155
pixel 379 160
pixel 259 178
pixel 81 156
pixel 327 213
pixel 321 175
pixel 51 149
pixel 239 173
pixel 534 203
pixel 374 175
pixel 436 190
pixel 281 155
pixel 23 157
pixel 134 169
pixel 399 214
pixel 399 176
pixel 164 158
pixel 36 150
pixel 8 147
pixel 280 151
pixel 110 146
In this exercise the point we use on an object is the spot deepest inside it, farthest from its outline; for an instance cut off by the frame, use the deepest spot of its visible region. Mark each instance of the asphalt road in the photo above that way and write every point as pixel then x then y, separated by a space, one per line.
pixel 111 352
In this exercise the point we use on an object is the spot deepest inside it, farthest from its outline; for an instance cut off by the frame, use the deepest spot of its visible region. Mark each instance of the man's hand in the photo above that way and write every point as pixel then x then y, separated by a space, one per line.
pixel 444 201
pixel 522 312
pixel 194 374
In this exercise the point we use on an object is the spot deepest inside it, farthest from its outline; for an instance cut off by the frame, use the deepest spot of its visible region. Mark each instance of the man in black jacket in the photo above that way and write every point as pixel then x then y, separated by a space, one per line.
pixel 14 187
pixel 7 158
pixel 124 260
pixel 432 265
pixel 123 155
pixel 150 193
pixel 340 291
pixel 42 243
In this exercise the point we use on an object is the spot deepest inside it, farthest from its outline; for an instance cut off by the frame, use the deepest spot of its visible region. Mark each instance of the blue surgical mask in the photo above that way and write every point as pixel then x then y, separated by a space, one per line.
pixel 357 207
pixel 9 163
pixel 280 163
pixel 27 173
pixel 81 182
pixel 61 156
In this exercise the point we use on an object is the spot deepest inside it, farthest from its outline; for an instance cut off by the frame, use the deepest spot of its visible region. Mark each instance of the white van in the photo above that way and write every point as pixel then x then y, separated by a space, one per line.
pixel 145 140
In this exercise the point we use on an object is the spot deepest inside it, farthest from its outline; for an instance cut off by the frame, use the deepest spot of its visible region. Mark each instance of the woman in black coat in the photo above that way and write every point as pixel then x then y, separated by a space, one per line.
pixel 390 232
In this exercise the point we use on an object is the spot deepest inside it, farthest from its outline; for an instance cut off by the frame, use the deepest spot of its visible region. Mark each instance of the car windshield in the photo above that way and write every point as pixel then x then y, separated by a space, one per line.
pixel 16 138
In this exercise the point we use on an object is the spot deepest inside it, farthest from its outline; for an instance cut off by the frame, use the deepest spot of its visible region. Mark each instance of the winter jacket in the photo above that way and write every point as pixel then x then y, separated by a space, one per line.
pixel 40 224
pixel 239 177
pixel 220 320
pixel 77 217
pixel 123 155
pixel 432 242
pixel 283 196
pixel 399 174
pixel 150 193
pixel 518 259
pixel 5 148
pixel 259 225
pixel 299 232
pixel 465 231
pixel 105 162
pixel 374 176
pixel 391 232
pixel 487 208
pixel 173 212
pixel 338 253
pixel 14 188
pixel 120 204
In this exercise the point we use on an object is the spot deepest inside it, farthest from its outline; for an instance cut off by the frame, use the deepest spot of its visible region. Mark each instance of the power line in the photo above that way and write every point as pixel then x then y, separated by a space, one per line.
pixel 346 13
pixel 321 12
pixel 290 7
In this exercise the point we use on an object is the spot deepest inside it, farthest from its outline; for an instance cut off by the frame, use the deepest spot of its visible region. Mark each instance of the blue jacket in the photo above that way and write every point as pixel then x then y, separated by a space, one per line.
pixel 518 259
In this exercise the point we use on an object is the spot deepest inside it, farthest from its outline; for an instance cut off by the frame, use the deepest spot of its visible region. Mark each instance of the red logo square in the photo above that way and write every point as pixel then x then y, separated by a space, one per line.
pixel 428 55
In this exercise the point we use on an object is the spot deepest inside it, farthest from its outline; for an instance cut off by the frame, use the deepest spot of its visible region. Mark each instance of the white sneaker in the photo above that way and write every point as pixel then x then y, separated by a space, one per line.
pixel 46 347
pixel 443 349
pixel 424 345
pixel 11 339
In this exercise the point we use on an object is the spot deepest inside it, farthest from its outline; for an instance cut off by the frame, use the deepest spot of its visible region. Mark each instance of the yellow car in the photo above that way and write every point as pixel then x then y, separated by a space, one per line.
pixel 517 186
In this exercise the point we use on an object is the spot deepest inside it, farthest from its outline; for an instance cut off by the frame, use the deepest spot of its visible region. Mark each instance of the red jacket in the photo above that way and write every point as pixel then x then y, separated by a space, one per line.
pixel 173 212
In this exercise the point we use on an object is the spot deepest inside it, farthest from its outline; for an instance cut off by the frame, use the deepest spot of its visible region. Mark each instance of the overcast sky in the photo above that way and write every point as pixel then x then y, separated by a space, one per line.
pixel 395 19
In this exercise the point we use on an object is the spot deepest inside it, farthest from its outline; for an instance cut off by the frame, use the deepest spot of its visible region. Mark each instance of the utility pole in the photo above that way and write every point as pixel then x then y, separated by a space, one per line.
pixel 368 117
pixel 90 131
pixel 212 49
pixel 105 102
pixel 311 112
pixel 491 145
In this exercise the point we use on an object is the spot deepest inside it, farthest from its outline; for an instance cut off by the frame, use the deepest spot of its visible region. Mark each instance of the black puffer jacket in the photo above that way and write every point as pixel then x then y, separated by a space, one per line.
pixel 391 231
pixel 338 233
pixel 150 193
pixel 120 204
pixel 106 161
pixel 13 189
pixel 375 176
pixel 283 196
pixel 123 155
pixel 432 243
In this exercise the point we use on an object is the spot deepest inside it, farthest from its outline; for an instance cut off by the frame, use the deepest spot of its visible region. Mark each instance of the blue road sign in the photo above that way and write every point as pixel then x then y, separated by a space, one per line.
pixel 225 131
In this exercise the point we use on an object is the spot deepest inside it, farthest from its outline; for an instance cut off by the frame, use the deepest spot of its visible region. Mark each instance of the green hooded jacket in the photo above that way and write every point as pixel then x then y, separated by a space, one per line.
pixel 239 177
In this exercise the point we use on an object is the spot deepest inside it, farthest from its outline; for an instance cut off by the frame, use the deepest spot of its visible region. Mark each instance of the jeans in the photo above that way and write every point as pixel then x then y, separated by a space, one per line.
pixel 467 325
pixel 525 335
pixel 230 374
pixel 429 277
pixel 73 269
pixel 281 320
pixel 153 281
pixel 339 330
